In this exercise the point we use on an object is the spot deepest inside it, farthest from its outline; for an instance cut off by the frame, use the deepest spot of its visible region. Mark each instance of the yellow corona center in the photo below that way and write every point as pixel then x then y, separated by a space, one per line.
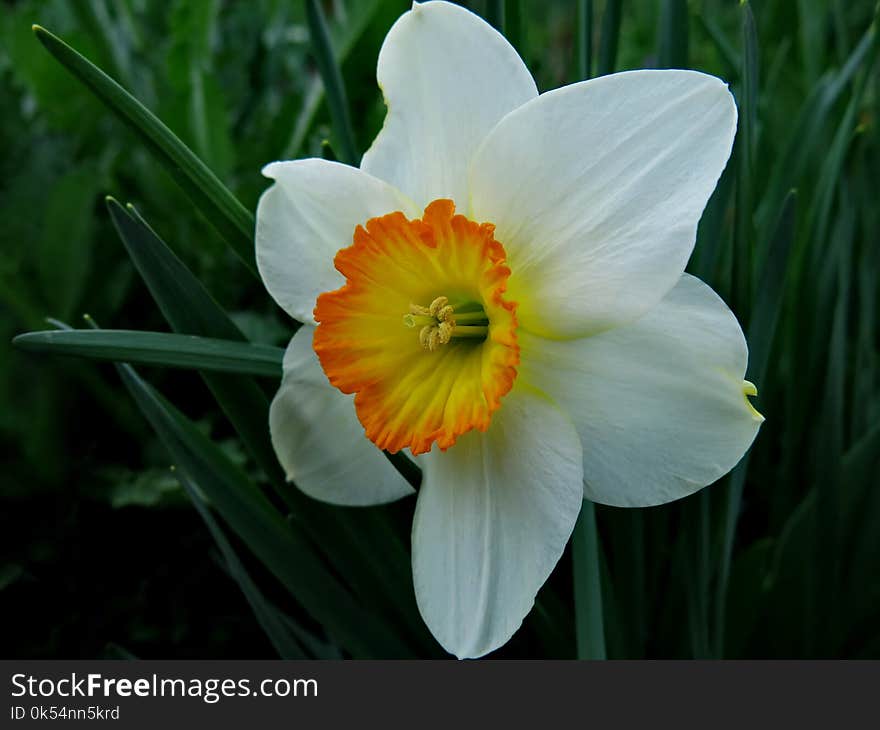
pixel 420 332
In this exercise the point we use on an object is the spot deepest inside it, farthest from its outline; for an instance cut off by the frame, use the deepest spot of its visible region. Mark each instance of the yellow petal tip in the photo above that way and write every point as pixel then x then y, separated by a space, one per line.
pixel 749 389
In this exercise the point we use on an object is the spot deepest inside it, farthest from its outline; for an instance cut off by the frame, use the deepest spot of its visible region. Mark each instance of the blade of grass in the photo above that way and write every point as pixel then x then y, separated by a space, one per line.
pixel 93 16
pixel 748 117
pixel 495 14
pixel 243 507
pixel 805 132
pixel 158 348
pixel 768 302
pixel 672 47
pixel 341 533
pixel 589 614
pixel 713 236
pixel 358 18
pixel 584 40
pixel 728 53
pixel 609 37
pixel 190 309
pixel 269 618
pixel 220 207
pixel 762 329
pixel 334 86
pixel 830 446
pixel 513 24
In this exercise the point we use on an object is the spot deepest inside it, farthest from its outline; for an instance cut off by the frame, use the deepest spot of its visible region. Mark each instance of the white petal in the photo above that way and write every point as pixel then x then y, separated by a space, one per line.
pixel 305 218
pixel 493 516
pixel 659 404
pixel 318 439
pixel 596 190
pixel 447 77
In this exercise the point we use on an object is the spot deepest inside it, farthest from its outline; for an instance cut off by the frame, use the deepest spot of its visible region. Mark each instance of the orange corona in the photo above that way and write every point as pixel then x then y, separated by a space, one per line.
pixel 420 332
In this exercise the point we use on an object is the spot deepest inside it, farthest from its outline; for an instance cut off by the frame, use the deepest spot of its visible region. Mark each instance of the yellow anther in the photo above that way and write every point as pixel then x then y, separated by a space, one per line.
pixel 444 330
pixel 437 323
pixel 438 304
pixel 433 339
pixel 419 310
pixel 445 314
pixel 424 335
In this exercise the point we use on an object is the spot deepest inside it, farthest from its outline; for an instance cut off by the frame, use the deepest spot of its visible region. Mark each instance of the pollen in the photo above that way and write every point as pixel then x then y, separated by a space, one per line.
pixel 421 332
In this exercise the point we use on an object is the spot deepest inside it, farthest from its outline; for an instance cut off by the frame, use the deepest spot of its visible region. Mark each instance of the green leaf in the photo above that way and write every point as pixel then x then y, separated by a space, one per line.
pixel 761 333
pixel 672 49
pixel 337 99
pixel 358 18
pixel 190 309
pixel 267 615
pixel 861 514
pixel 93 16
pixel 244 508
pixel 158 348
pixel 220 207
pixel 584 39
pixel 351 538
pixel 727 52
pixel 589 621
pixel 804 140
pixel 768 302
pixel 609 37
pixel 745 153
pixel 513 24
pixel 65 241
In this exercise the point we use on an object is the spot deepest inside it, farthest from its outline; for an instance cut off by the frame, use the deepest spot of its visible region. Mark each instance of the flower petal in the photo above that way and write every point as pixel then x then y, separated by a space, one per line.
pixel 493 516
pixel 447 77
pixel 305 218
pixel 660 404
pixel 320 442
pixel 596 190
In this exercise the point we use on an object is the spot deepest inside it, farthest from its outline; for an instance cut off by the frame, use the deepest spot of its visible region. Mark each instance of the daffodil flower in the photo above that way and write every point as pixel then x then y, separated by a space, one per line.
pixel 498 290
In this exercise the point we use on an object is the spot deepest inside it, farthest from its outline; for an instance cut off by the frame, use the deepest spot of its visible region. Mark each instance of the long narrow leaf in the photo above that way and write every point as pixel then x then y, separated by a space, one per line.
pixel 584 40
pixel 609 37
pixel 337 99
pixel 672 49
pixel 269 618
pixel 221 208
pixel 190 309
pixel 349 539
pixel 589 615
pixel 761 332
pixel 513 24
pixel 158 348
pixel 745 152
pixel 806 128
pixel 259 525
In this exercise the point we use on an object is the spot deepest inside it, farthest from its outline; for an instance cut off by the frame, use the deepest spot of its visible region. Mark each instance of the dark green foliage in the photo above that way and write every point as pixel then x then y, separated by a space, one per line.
pixel 779 559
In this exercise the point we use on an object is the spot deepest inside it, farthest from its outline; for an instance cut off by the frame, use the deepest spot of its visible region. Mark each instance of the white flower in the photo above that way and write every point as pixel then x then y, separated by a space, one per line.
pixel 540 346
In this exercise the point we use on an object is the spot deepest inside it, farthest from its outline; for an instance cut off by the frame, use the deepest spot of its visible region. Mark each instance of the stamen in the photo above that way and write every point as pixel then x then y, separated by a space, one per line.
pixel 422 311
pixel 437 305
pixel 438 322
